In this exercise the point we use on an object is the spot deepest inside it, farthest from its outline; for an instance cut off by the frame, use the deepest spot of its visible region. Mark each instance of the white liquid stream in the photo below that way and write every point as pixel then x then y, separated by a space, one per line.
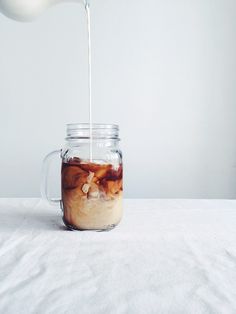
pixel 87 8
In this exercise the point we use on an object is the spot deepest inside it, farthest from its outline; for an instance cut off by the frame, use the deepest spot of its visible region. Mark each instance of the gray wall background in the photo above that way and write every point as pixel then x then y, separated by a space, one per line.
pixel 165 71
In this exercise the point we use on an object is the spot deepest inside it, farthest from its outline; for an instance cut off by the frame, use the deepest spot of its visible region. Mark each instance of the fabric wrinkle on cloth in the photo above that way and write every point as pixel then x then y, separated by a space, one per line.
pixel 166 256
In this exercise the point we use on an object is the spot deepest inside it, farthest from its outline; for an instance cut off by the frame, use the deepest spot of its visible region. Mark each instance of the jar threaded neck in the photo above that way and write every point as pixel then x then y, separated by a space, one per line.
pixel 99 131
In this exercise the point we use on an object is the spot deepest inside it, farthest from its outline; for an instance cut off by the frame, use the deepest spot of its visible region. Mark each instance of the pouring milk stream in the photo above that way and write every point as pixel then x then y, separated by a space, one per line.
pixel 27 10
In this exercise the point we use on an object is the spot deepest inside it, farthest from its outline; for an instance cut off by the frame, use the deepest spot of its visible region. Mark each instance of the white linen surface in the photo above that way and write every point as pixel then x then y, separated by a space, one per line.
pixel 166 256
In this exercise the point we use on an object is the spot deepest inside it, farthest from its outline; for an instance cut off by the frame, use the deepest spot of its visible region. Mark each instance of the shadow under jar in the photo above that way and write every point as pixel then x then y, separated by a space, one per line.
pixel 91 177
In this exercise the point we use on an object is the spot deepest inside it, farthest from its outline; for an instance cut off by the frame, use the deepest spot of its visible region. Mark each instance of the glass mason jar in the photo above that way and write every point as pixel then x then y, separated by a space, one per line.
pixel 91 177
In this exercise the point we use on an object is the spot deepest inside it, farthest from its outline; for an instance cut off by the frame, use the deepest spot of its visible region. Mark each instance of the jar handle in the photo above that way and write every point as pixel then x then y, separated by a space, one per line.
pixel 44 178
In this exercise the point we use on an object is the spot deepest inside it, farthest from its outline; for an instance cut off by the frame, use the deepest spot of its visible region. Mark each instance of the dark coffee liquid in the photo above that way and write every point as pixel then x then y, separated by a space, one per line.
pixel 89 185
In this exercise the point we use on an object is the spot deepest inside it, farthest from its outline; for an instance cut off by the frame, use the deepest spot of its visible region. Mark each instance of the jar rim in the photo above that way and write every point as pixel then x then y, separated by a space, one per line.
pixel 85 126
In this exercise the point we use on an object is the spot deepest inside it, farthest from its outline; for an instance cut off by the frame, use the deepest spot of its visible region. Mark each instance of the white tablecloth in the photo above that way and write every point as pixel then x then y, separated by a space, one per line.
pixel 167 256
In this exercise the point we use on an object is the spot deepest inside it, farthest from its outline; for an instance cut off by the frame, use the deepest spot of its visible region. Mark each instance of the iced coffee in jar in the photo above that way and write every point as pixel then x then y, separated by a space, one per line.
pixel 91 177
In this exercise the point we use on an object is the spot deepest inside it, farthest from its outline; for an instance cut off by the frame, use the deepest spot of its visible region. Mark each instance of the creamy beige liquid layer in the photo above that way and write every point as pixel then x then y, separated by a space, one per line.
pixel 93 214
